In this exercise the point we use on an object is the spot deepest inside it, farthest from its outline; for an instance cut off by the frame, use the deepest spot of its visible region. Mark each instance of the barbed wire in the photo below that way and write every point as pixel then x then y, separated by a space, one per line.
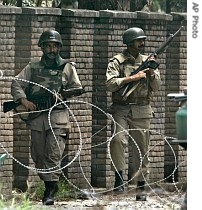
pixel 91 193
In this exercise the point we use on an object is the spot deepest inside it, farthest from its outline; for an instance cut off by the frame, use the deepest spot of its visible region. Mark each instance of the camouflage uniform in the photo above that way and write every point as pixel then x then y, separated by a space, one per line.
pixel 134 113
pixel 46 148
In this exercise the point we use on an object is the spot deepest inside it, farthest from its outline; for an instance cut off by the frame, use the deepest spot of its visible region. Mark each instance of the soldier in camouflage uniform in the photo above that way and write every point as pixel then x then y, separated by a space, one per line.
pixel 49 78
pixel 131 111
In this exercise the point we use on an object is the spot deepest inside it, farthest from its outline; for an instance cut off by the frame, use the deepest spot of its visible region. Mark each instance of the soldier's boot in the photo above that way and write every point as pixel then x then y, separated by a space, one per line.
pixel 51 188
pixel 140 194
pixel 118 186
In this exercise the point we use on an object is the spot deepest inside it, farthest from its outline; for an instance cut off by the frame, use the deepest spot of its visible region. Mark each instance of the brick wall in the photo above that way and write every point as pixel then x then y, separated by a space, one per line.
pixel 90 39
pixel 7 48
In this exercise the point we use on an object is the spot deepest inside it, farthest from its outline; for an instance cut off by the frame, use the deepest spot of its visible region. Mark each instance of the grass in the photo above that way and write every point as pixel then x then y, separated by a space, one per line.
pixel 16 204
pixel 25 201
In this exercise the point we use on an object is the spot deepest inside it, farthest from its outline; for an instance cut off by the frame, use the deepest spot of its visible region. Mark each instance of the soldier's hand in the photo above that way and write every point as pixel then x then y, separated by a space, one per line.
pixel 135 77
pixel 138 76
pixel 29 106
pixel 149 71
pixel 152 58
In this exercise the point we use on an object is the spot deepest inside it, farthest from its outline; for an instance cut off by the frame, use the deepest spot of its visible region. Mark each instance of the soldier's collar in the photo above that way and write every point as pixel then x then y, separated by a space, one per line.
pixel 130 58
pixel 58 61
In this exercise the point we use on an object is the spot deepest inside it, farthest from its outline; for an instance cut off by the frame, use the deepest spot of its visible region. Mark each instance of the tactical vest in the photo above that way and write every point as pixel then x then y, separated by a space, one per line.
pixel 43 81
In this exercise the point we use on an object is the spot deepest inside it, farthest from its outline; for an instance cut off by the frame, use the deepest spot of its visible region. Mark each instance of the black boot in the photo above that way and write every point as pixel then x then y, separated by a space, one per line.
pixel 51 189
pixel 140 195
pixel 118 186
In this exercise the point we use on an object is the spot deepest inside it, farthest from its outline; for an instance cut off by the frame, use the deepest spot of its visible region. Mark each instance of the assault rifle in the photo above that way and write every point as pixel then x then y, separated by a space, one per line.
pixel 147 63
pixel 43 102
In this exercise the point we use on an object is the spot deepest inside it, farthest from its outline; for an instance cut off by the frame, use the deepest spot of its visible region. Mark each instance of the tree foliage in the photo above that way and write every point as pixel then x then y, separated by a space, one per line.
pixel 168 6
pixel 165 6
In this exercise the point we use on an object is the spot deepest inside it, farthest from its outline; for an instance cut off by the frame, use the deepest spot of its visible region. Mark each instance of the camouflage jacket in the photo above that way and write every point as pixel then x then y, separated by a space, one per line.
pixel 39 81
pixel 36 79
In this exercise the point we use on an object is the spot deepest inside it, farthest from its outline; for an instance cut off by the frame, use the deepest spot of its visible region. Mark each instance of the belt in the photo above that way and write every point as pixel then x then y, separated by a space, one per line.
pixel 122 103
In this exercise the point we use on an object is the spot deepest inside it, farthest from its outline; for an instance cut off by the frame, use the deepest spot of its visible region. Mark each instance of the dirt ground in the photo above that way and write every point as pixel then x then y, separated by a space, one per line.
pixel 157 199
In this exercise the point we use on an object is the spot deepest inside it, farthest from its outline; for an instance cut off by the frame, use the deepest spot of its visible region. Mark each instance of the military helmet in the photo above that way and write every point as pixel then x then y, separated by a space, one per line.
pixel 133 33
pixel 50 36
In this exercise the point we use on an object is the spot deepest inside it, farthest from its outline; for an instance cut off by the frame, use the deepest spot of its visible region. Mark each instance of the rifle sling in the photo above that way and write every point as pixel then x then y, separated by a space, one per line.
pixel 130 91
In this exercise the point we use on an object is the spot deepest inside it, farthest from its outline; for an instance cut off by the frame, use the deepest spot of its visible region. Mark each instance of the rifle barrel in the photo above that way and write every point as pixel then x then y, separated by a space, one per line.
pixel 163 46
pixel 181 27
pixel 125 88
